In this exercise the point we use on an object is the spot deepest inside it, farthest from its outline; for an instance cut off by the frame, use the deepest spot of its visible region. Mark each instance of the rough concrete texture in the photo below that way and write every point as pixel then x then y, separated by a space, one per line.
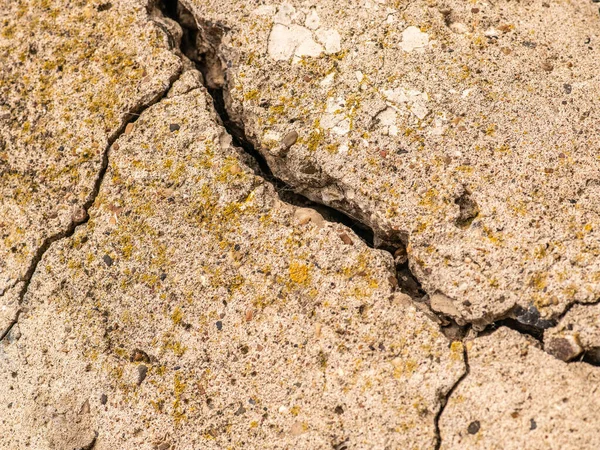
pixel 516 396
pixel 468 130
pixel 577 334
pixel 158 293
pixel 70 75
pixel 195 309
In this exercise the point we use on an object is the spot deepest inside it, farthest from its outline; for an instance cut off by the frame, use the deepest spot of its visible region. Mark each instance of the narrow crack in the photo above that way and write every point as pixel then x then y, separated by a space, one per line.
pixel 444 400
pixel 10 325
pixel 82 216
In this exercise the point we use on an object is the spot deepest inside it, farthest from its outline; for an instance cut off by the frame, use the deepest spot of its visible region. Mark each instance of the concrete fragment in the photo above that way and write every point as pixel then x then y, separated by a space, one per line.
pixel 478 111
pixel 220 322
pixel 517 396
pixel 443 304
pixel 71 77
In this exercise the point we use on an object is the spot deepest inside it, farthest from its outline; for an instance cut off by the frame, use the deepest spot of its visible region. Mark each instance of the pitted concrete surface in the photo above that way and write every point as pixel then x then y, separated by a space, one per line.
pixel 517 396
pixel 467 130
pixel 159 289
pixel 71 75
pixel 198 310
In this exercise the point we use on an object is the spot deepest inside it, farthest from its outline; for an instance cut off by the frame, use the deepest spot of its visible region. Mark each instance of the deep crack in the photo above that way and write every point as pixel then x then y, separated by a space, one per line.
pixel 205 63
pixel 200 43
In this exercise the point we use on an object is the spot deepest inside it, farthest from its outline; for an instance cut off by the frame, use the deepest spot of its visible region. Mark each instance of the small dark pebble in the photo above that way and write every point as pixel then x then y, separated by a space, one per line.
pixel 339 410
pixel 568 88
pixel 163 276
pixel 219 325
pixel 103 399
pixel 107 260
pixel 61 148
pixel 104 7
pixel 176 367
pixel 241 410
pixel 142 372
pixel 532 424
pixel 237 247
pixel 174 127
pixel 252 401
pixel 473 427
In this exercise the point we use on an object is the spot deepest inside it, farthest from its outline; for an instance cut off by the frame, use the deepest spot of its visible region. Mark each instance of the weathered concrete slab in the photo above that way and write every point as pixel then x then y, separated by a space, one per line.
pixel 517 396
pixel 466 129
pixel 70 76
pixel 195 309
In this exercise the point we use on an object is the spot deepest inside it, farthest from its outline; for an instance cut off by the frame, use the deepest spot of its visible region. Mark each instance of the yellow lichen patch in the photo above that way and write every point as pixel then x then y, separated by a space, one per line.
pixel 456 350
pixel 177 315
pixel 299 272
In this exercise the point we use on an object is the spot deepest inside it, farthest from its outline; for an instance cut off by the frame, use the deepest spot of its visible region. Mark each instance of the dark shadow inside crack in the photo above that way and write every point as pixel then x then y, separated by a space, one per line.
pixel 513 324
pixel 200 44
pixel 202 51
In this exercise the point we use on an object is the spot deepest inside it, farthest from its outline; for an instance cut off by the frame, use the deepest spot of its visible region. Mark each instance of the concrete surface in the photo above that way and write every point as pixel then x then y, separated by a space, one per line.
pixel 465 129
pixel 516 396
pixel 158 292
pixel 195 309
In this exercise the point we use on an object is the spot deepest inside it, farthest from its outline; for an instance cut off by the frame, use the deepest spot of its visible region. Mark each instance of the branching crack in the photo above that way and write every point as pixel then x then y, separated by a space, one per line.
pixel 82 216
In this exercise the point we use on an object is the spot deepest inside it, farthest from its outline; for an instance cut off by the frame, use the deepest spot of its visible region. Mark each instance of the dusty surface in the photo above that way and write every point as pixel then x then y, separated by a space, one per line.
pixel 466 129
pixel 69 77
pixel 175 301
pixel 246 328
pixel 517 396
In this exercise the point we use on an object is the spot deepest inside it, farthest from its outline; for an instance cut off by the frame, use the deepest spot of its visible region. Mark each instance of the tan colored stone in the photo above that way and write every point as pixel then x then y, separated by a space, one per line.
pixel 71 75
pixel 516 396
pixel 442 304
pixel 474 142
pixel 177 251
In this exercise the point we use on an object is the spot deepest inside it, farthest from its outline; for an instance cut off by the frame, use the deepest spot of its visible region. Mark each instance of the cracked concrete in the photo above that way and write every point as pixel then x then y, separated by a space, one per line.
pixel 248 329
pixel 71 77
pixel 488 103
pixel 517 396
pixel 577 335
pixel 197 308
